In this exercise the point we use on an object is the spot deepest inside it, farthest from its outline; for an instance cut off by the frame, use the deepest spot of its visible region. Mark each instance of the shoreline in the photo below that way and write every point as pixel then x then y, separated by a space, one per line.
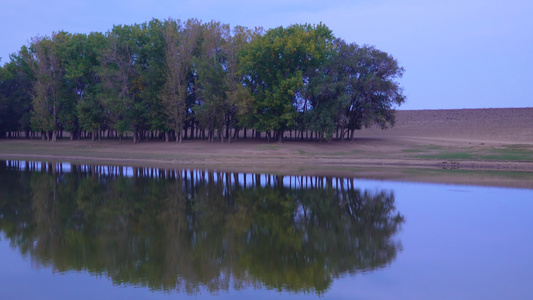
pixel 379 158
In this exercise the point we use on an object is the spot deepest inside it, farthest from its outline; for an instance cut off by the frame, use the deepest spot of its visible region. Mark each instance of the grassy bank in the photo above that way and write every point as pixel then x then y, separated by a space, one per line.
pixel 382 158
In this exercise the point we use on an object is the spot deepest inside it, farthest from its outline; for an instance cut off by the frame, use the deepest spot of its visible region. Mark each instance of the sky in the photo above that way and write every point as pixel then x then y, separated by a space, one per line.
pixel 456 53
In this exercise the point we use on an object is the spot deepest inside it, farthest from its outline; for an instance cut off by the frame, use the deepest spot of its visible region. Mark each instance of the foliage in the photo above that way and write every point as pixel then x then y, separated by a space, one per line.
pixel 356 87
pixel 169 76
pixel 181 40
pixel 15 95
pixel 48 63
pixel 212 105
pixel 274 67
pixel 82 72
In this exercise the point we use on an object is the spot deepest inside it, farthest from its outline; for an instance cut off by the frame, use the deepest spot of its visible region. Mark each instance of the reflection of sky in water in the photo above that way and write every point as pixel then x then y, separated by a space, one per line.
pixel 459 242
pixel 472 244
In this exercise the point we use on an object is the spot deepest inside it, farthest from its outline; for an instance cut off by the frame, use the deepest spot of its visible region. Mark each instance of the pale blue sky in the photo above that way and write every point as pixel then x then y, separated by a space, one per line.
pixel 456 53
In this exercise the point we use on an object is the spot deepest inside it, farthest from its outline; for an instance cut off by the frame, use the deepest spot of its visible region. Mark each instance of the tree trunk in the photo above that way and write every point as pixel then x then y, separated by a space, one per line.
pixel 227 131
pixel 235 134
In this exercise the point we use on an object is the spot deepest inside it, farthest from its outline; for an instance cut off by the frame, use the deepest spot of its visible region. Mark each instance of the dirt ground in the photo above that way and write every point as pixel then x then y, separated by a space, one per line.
pixel 475 146
pixel 507 125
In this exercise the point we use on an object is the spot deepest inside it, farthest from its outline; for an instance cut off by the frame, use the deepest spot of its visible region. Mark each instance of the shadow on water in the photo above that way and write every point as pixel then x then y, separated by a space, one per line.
pixel 193 230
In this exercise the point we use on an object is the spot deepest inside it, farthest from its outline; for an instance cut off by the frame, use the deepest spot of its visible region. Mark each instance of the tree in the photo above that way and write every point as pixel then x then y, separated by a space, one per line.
pixel 326 97
pixel 212 104
pixel 356 87
pixel 171 76
pixel 5 123
pixel 376 91
pixel 181 42
pixel 15 94
pixel 83 72
pixel 152 77
pixel 49 70
pixel 120 73
pixel 274 65
pixel 81 56
pixel 239 98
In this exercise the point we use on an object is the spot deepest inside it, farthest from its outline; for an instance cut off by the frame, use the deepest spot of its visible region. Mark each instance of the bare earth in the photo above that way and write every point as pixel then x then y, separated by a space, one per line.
pixel 470 146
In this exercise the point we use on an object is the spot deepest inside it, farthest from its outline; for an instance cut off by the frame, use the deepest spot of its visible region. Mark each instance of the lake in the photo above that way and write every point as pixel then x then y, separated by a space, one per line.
pixel 114 232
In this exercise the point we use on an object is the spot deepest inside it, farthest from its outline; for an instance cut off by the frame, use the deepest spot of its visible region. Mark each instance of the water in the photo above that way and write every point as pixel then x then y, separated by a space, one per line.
pixel 87 232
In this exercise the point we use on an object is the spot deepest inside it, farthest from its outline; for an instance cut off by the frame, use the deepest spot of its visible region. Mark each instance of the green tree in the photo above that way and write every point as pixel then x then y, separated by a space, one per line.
pixel 15 94
pixel 356 87
pixel 152 77
pixel 238 97
pixel 212 104
pixel 5 123
pixel 377 91
pixel 120 77
pixel 86 83
pixel 49 86
pixel 274 66
pixel 171 76
pixel 327 94
pixel 81 55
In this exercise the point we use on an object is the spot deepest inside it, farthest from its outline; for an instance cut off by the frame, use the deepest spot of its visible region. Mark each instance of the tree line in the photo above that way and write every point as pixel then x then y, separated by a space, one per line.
pixel 174 80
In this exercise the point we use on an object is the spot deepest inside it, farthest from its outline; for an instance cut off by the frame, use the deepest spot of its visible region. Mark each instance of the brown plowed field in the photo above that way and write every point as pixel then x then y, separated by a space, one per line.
pixel 507 125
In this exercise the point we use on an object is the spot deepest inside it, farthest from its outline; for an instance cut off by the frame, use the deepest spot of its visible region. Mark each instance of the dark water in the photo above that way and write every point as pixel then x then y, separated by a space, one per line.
pixel 90 232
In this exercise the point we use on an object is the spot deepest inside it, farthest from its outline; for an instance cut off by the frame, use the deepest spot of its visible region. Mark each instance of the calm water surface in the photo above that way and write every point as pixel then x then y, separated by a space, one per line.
pixel 90 232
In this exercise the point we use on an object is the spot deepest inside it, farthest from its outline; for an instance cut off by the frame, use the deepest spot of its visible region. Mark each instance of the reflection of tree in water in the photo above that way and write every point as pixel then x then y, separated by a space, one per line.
pixel 184 230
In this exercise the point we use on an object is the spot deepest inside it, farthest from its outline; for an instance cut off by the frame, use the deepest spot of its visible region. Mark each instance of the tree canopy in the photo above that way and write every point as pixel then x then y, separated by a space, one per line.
pixel 176 80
